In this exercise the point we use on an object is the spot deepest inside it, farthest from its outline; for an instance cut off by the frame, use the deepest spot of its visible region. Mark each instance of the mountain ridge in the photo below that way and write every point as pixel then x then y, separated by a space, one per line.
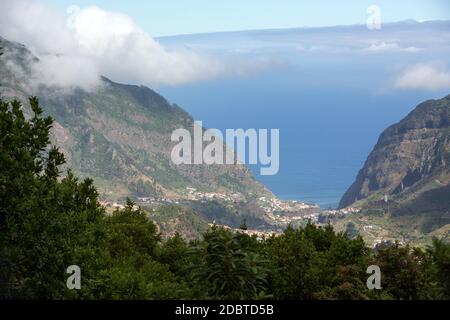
pixel 119 134
pixel 301 28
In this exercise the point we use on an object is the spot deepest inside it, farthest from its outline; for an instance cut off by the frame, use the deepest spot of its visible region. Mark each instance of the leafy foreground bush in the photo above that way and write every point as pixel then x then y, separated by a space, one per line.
pixel 49 222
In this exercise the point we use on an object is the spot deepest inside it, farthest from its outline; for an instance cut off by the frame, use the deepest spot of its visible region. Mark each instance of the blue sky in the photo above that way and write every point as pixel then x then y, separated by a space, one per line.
pixel 160 18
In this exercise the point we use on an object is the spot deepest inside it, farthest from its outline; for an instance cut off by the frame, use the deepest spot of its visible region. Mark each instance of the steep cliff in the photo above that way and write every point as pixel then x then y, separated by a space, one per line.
pixel 409 164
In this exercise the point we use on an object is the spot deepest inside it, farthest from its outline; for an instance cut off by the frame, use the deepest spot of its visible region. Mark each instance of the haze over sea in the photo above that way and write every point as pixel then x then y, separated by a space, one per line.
pixel 330 91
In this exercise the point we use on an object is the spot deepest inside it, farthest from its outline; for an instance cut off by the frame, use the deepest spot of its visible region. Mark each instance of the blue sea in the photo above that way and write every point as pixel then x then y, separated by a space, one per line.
pixel 330 106
pixel 325 137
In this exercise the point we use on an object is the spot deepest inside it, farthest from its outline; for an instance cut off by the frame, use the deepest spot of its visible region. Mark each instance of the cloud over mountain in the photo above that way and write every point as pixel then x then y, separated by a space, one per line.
pixel 75 50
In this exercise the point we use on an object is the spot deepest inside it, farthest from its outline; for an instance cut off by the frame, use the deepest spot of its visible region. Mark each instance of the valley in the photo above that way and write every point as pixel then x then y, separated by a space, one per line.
pixel 120 135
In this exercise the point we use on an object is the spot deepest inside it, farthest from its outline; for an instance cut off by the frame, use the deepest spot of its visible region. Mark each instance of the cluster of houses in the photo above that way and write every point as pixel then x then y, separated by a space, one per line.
pixel 194 195
pixel 274 204
pixel 278 213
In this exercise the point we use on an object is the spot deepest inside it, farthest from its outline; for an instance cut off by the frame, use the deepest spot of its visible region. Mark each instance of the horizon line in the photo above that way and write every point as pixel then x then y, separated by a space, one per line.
pixel 296 28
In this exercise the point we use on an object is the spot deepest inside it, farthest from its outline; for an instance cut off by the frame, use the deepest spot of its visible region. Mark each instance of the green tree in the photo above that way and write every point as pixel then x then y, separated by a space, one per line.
pixel 439 252
pixel 317 263
pixel 130 229
pixel 41 218
pixel 226 269
pixel 174 253
pixel 402 270
pixel 48 223
pixel 291 259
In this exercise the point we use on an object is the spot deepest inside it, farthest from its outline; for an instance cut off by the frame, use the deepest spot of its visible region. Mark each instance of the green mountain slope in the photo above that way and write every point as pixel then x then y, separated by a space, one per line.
pixel 120 135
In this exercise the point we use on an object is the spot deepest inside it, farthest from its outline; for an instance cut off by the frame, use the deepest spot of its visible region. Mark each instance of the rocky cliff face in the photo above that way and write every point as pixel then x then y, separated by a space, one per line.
pixel 120 135
pixel 409 163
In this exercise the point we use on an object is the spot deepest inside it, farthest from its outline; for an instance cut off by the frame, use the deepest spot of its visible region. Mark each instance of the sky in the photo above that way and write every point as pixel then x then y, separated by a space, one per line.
pixel 173 17
pixel 77 41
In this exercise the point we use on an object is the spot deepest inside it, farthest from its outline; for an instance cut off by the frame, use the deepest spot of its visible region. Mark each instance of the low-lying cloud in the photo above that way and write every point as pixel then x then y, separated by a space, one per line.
pixel 383 46
pixel 424 77
pixel 75 50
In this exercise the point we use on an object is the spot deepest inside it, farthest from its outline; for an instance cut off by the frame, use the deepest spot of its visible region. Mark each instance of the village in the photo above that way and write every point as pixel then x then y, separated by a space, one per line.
pixel 277 213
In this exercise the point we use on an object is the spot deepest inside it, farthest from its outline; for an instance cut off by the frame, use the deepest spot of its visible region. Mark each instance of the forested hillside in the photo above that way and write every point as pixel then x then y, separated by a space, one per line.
pixel 50 220
pixel 119 134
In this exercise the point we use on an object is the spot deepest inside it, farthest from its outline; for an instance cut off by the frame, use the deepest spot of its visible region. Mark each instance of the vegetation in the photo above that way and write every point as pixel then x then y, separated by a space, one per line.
pixel 173 219
pixel 49 222
pixel 119 135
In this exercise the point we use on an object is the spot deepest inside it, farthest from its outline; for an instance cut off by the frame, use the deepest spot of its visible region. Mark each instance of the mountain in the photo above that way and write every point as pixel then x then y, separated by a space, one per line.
pixel 396 35
pixel 119 135
pixel 409 164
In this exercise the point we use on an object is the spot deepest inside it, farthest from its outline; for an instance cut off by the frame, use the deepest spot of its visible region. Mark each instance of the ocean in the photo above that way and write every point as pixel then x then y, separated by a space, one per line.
pixel 330 92
pixel 325 135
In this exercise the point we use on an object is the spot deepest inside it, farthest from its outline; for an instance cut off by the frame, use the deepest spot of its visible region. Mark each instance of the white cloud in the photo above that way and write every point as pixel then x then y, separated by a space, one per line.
pixel 66 71
pixel 35 25
pixel 382 46
pixel 424 77
pixel 76 50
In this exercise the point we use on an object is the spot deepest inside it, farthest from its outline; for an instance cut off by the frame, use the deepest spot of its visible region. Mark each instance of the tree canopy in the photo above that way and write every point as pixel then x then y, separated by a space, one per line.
pixel 50 220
